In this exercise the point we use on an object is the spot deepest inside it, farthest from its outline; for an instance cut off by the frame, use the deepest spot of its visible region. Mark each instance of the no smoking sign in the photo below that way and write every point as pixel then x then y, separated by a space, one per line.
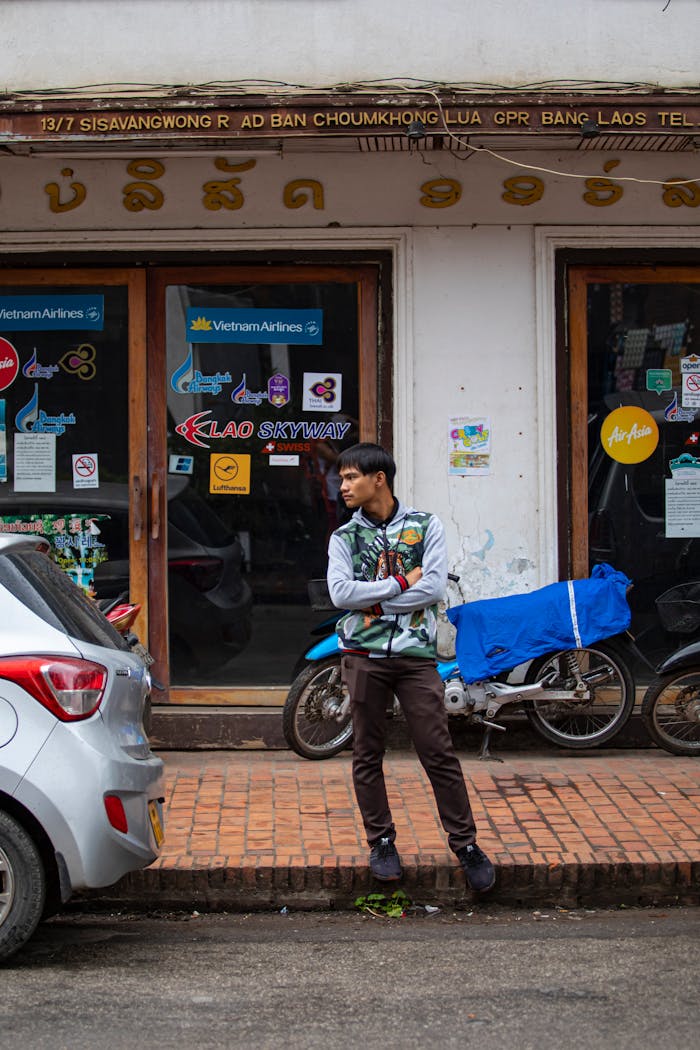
pixel 85 471
pixel 691 390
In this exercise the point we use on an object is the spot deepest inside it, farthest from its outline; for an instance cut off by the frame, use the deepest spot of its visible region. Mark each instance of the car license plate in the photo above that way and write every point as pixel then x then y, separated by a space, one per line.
pixel 156 824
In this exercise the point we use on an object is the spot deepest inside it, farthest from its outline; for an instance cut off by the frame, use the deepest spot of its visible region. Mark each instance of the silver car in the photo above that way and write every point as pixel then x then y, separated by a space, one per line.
pixel 81 792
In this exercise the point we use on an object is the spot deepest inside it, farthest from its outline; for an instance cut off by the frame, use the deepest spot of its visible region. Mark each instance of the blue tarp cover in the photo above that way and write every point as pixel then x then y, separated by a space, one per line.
pixel 497 634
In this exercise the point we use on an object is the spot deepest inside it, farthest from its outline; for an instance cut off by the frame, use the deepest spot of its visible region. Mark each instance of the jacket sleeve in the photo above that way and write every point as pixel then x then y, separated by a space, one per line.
pixel 348 593
pixel 433 583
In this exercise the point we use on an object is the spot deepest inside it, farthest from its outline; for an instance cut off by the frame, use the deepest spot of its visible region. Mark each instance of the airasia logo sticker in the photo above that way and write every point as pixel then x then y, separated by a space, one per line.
pixel 9 364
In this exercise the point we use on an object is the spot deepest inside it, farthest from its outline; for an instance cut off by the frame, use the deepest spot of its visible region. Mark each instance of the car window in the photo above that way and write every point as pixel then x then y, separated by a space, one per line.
pixel 194 518
pixel 49 593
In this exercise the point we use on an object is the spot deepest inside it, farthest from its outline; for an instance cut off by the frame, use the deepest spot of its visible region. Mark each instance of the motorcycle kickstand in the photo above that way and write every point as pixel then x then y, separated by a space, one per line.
pixel 485 754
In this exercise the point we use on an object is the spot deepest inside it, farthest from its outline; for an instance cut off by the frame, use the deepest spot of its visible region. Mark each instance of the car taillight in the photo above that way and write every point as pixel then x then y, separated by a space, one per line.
pixel 71 689
pixel 116 814
pixel 201 573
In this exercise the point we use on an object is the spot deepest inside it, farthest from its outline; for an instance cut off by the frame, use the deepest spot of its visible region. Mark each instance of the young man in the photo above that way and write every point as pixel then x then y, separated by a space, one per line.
pixel 388 567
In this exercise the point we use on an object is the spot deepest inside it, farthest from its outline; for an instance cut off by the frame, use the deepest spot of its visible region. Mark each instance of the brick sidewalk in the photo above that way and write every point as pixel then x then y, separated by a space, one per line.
pixel 248 829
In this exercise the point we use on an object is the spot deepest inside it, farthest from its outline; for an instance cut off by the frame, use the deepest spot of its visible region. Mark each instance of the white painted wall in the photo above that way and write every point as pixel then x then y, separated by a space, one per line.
pixel 62 43
pixel 474 355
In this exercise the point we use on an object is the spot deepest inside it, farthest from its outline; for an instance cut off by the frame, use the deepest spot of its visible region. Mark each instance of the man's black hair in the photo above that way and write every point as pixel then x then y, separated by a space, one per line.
pixel 368 459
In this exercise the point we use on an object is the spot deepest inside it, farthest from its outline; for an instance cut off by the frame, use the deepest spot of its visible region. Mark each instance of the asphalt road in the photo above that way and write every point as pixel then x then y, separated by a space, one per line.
pixel 492 979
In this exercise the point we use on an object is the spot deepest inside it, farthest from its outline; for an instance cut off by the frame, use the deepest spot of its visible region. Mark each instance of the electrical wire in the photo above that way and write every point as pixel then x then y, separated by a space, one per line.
pixel 550 171
pixel 400 85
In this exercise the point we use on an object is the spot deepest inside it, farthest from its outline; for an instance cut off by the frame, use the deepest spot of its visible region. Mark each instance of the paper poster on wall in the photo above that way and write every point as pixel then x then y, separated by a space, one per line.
pixel 469 445
pixel 86 473
pixel 35 462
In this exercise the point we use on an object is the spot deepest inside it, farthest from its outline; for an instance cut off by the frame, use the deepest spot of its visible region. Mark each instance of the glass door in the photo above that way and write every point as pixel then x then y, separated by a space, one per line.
pixel 72 415
pixel 261 376
pixel 635 429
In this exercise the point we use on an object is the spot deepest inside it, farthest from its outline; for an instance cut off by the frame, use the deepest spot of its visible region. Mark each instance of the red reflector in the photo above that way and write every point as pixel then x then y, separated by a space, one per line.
pixel 116 813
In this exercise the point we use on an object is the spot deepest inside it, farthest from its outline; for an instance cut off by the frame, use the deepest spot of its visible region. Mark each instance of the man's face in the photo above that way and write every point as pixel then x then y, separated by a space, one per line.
pixel 358 489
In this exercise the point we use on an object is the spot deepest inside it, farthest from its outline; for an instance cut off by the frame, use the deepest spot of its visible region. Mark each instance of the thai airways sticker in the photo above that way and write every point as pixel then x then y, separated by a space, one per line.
pixel 80 362
pixel 9 364
pixel 209 324
pixel 35 313
pixel 322 392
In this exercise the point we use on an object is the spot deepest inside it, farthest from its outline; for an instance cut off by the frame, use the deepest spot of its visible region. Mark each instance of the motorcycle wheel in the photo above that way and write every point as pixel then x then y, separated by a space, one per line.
pixel 671 712
pixel 310 716
pixel 597 716
pixel 22 886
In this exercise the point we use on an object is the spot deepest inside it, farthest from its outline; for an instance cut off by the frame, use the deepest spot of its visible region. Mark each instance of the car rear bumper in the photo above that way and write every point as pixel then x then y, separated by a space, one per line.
pixel 65 788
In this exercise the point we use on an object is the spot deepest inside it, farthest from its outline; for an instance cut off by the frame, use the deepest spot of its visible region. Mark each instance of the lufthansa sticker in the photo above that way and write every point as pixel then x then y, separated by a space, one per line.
pixel 229 473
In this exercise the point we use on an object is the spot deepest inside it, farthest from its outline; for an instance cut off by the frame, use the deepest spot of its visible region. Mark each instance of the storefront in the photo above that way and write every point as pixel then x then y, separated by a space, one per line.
pixel 202 303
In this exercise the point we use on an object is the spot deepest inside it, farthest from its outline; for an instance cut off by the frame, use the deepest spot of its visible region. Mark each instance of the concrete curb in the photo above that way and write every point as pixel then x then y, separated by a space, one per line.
pixel 334 884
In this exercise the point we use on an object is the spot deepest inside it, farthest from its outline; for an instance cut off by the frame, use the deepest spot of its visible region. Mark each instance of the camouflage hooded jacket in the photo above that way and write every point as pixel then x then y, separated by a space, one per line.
pixel 367 567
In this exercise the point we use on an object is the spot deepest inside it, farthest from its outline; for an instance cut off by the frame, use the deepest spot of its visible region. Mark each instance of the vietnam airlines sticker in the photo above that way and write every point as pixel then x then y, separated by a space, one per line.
pixel 322 392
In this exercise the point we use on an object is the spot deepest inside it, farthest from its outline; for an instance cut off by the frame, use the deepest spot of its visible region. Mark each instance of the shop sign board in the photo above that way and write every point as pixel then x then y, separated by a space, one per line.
pixel 349 114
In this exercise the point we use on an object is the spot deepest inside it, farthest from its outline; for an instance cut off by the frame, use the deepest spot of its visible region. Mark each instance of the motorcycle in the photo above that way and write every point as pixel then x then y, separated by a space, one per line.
pixel 671 705
pixel 122 614
pixel 576 698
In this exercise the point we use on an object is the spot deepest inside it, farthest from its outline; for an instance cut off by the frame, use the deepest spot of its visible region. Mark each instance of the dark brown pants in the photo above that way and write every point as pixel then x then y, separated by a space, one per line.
pixel 417 685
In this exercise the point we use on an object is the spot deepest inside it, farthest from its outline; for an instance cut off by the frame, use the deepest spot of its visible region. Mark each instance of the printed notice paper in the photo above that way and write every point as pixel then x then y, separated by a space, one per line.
pixel 35 462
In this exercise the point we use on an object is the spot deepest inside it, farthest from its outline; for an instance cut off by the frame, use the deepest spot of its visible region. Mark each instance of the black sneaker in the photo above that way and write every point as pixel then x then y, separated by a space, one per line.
pixel 478 869
pixel 384 861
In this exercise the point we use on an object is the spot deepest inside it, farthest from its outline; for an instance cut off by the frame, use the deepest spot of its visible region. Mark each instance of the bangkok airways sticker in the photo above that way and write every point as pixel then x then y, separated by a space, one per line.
pixel 34 370
pixel 9 364
pixel 33 420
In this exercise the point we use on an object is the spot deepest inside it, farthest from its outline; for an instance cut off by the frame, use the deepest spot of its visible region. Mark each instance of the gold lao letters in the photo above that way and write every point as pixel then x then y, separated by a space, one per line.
pixel 225 193
pixel 603 192
pixel 143 194
pixel 54 192
pixel 678 193
pixel 522 189
pixel 440 193
pixel 296 193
